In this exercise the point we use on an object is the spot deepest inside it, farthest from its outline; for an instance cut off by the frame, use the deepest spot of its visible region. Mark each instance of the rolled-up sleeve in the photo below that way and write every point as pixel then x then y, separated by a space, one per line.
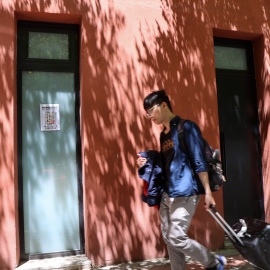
pixel 195 147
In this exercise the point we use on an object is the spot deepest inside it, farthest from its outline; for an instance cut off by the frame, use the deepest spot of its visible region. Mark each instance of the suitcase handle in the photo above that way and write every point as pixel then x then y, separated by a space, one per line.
pixel 224 225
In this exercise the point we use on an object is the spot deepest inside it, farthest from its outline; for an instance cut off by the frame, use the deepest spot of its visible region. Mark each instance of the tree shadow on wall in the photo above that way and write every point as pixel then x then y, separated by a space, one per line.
pixel 7 189
pixel 182 62
pixel 177 61
pixel 180 59
pixel 119 226
pixel 113 129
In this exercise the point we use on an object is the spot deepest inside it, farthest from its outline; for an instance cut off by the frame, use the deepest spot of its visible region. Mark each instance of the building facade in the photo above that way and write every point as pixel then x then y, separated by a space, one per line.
pixel 73 78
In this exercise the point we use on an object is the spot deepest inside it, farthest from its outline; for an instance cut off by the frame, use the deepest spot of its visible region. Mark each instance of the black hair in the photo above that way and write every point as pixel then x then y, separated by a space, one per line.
pixel 156 97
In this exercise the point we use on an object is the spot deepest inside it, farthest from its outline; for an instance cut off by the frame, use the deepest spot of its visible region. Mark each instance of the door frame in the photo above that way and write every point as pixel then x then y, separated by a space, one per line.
pixel 249 73
pixel 71 65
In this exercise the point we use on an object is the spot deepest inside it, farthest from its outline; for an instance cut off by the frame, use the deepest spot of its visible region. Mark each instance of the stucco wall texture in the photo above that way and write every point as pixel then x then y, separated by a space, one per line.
pixel 127 49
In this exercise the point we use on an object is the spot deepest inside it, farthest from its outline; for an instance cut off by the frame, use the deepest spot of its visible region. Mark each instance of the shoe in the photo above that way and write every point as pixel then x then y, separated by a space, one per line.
pixel 220 266
pixel 222 262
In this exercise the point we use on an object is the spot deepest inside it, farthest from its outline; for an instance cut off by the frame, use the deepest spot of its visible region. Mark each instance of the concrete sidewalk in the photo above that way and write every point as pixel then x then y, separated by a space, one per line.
pixel 81 262
pixel 234 262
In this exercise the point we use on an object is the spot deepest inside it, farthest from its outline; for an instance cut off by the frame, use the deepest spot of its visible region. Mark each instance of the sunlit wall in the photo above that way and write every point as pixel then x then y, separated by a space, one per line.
pixel 127 48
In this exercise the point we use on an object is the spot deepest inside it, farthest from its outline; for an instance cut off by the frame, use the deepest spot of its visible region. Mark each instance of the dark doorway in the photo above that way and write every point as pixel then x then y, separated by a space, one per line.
pixel 239 129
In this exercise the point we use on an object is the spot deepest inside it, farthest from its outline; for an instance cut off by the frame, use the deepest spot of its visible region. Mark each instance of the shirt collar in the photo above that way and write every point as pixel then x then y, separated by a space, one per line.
pixel 175 121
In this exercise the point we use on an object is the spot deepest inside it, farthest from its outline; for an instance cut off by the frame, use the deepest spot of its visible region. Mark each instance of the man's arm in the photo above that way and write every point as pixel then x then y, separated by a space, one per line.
pixel 209 199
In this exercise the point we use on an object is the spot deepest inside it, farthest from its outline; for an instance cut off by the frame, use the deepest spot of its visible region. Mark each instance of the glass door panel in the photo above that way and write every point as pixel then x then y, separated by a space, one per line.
pixel 50 188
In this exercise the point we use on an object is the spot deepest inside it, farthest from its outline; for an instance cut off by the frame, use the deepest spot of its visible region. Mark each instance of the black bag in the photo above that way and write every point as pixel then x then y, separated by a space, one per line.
pixel 251 237
pixel 216 177
pixel 256 240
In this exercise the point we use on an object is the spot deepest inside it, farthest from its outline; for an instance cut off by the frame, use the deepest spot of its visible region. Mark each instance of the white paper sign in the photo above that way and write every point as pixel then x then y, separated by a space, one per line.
pixel 49 117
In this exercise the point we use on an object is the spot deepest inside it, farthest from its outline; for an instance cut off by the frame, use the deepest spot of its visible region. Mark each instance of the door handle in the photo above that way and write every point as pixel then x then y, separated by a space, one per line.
pixel 223 154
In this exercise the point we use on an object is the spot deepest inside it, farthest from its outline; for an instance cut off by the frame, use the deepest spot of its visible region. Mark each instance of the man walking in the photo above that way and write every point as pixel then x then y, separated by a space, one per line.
pixel 185 174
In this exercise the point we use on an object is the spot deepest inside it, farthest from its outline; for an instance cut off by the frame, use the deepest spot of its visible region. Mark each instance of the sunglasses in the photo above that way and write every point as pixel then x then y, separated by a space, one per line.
pixel 149 112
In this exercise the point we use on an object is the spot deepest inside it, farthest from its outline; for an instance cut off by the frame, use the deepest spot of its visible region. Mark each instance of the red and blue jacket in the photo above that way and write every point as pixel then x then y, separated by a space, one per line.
pixel 151 173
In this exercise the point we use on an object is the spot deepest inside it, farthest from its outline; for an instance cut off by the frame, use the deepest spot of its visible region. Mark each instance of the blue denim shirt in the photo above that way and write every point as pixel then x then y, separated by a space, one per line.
pixel 184 168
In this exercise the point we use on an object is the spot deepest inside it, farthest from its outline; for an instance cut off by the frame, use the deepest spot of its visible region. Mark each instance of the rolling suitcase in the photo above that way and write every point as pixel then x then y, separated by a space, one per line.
pixel 251 237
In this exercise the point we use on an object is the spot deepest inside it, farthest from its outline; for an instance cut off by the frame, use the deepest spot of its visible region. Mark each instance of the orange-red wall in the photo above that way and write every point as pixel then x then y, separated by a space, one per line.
pixel 129 47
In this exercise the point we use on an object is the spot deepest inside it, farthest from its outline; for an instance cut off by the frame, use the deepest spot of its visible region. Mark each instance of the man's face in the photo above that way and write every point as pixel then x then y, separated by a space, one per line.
pixel 156 113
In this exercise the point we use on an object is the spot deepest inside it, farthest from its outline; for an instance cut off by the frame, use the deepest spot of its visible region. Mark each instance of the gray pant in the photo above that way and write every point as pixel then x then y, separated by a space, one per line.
pixel 176 215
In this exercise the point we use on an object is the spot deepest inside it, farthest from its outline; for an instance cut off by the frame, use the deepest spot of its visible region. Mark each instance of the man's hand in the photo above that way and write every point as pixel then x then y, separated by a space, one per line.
pixel 141 160
pixel 209 199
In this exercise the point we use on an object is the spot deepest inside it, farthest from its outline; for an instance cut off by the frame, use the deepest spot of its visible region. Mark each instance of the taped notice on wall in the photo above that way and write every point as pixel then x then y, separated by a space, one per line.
pixel 49 117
